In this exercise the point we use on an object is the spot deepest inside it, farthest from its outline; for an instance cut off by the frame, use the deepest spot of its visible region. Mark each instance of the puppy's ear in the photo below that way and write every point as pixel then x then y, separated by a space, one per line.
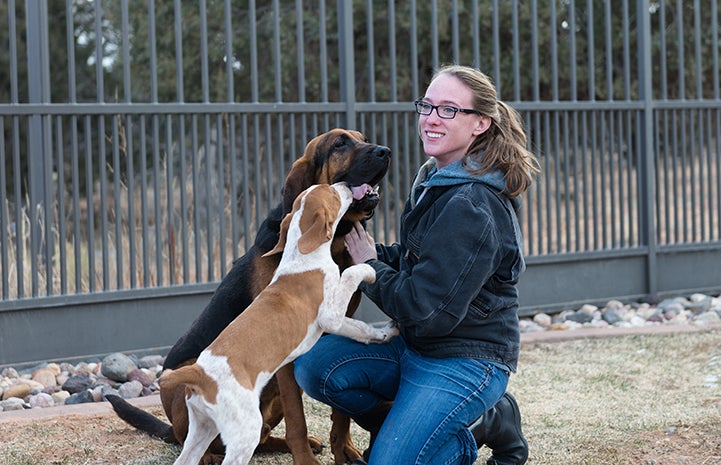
pixel 319 214
pixel 281 237
pixel 319 231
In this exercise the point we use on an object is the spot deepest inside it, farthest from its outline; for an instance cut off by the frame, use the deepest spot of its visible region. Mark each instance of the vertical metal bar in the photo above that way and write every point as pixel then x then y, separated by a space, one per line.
pixel 129 147
pixel 702 211
pixel 347 61
pixel 144 220
pixel 554 51
pixel 434 34
pixel 245 188
pixel 666 172
pixel 269 171
pixel 170 207
pixel 674 181
pixel 230 97
pixel 277 69
pixel 549 179
pixel 60 223
pixel 38 144
pixel 194 144
pixel 4 226
pixel 475 35
pixel 180 96
pixel 392 52
pixel 715 50
pixel 19 225
pixel 646 159
pixel 716 115
pixel 370 46
pixel 74 155
pixel 323 75
pixel 157 208
pixel 604 155
pixel 609 51
pixel 89 201
pixel 516 52
pixel 15 144
pixel 220 162
pixel 207 139
pixel 77 235
pixel 455 40
pixel 115 121
pixel 564 178
pixel 102 167
pixel 495 30
pixel 415 85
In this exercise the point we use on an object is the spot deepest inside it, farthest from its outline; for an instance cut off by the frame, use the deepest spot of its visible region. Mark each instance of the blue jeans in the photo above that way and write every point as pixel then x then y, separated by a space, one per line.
pixel 435 400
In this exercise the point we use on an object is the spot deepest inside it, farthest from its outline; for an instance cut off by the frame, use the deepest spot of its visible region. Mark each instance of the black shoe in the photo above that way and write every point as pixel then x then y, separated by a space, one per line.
pixel 500 429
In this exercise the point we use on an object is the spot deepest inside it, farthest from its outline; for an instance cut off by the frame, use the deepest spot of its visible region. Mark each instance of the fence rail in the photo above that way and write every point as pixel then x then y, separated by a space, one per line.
pixel 140 151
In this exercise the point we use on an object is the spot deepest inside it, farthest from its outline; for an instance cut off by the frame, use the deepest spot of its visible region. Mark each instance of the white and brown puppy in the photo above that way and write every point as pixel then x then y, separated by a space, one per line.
pixel 306 297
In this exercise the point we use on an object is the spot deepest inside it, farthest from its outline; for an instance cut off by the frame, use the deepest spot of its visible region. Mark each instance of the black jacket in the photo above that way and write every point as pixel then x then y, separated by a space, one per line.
pixel 450 283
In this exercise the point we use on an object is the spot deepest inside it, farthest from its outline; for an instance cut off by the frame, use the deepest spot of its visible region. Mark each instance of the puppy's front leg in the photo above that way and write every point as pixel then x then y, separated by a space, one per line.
pixel 332 319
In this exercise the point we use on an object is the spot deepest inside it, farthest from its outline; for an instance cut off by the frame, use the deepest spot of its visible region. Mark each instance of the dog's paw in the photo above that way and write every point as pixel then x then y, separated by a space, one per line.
pixel 368 273
pixel 385 333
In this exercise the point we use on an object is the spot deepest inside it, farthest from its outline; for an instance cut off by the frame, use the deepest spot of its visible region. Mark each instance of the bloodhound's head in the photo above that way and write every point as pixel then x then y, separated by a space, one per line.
pixel 340 155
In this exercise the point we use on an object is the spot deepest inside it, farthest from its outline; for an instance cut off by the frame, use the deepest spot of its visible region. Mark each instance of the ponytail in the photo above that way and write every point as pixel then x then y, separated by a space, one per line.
pixel 503 147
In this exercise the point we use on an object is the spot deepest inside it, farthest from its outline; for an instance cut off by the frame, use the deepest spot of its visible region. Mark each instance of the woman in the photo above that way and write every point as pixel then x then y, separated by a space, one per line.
pixel 436 393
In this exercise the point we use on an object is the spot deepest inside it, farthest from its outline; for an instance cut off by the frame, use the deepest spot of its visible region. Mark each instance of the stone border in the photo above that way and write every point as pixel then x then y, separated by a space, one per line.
pixel 540 337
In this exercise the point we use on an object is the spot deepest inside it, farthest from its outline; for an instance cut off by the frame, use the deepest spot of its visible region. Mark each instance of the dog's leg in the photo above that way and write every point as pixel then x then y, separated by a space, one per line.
pixel 201 432
pixel 341 444
pixel 296 429
pixel 239 427
pixel 332 317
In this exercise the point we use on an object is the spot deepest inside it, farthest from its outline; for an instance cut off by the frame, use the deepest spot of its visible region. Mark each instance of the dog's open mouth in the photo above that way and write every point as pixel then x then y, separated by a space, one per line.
pixel 365 198
pixel 364 191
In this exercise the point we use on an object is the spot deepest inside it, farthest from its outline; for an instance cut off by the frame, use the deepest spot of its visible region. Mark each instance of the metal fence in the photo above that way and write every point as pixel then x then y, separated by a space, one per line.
pixel 142 142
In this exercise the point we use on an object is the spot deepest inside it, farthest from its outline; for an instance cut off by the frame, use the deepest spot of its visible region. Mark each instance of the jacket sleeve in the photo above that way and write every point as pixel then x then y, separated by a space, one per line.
pixel 389 254
pixel 454 257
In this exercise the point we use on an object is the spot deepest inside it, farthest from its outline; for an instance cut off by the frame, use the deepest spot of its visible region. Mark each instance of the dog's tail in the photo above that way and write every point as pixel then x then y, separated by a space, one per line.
pixel 141 419
pixel 193 376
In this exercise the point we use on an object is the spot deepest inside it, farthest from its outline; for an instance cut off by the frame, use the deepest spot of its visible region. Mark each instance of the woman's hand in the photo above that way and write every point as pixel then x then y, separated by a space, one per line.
pixel 360 244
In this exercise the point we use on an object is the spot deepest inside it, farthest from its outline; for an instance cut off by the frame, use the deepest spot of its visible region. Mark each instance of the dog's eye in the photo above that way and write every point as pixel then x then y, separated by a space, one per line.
pixel 340 142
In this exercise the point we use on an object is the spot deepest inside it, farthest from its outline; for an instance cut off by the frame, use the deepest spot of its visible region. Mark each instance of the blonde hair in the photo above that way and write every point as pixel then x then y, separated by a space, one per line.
pixel 503 145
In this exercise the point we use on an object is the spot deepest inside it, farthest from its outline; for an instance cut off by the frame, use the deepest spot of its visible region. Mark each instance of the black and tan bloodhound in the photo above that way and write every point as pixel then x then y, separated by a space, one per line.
pixel 335 156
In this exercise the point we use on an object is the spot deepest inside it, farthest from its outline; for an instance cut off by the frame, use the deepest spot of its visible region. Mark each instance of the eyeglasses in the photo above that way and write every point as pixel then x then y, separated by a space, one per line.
pixel 443 111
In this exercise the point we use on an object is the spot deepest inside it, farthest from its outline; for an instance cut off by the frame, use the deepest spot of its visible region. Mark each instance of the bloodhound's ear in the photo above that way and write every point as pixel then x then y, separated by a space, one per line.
pixel 301 176
pixel 281 237
pixel 319 214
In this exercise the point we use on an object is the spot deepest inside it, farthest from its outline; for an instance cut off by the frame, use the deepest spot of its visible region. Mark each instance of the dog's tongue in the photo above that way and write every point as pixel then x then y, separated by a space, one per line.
pixel 360 191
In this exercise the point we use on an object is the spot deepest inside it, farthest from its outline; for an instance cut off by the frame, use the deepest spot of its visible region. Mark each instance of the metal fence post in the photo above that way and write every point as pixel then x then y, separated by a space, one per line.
pixel 39 166
pixel 347 61
pixel 647 190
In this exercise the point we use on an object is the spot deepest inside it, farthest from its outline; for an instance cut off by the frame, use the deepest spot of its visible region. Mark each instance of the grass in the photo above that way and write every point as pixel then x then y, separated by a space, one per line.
pixel 632 400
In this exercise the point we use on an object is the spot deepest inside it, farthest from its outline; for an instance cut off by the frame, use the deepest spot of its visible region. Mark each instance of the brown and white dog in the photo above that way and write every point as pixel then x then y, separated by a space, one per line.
pixel 308 295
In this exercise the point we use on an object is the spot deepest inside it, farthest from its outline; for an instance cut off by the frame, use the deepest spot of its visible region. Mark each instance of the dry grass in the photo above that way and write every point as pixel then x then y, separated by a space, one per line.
pixel 641 400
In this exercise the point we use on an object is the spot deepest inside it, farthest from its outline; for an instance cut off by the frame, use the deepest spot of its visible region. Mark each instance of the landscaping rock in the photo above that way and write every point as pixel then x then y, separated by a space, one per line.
pixel 117 367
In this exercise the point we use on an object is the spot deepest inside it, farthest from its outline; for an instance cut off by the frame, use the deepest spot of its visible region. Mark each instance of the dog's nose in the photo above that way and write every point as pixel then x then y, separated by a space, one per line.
pixel 382 151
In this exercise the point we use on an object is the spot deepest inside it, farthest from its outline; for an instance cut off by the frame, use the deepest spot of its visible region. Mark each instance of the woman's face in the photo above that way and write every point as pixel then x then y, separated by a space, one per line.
pixel 447 140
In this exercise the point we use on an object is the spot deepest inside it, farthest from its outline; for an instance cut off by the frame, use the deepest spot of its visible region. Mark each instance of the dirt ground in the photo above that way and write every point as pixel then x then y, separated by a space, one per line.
pixel 637 400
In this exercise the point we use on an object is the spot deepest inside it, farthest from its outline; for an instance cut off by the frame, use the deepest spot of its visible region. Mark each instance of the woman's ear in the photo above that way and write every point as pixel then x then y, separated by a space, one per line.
pixel 484 122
